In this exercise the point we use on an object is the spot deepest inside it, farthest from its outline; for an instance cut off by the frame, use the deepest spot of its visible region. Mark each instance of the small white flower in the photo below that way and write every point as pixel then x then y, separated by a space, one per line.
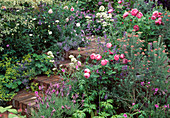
pixel 49 57
pixel 50 53
pixel 65 7
pixel 54 69
pixel 52 61
pixel 74 60
pixel 71 56
pixel 67 19
pixel 50 32
pixel 71 64
pixel 30 34
pixel 78 24
pixel 101 8
pixel 50 11
pixel 104 24
pixel 57 21
pixel 17 10
pixel 88 17
pixel 61 65
pixel 34 19
pixel 112 20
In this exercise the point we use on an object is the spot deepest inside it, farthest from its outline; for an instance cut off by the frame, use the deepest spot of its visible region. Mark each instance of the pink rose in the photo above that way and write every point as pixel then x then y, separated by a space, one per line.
pixel 87 71
pixel 159 16
pixel 155 13
pixel 160 19
pixel 134 12
pixel 110 52
pixel 92 56
pixel 125 61
pixel 116 57
pixel 139 15
pixel 125 14
pixel 72 9
pixel 119 1
pixel 104 62
pixel 157 22
pixel 160 13
pixel 122 56
pixel 136 27
pixel 153 17
pixel 108 45
pixel 98 57
pixel 110 11
pixel 86 75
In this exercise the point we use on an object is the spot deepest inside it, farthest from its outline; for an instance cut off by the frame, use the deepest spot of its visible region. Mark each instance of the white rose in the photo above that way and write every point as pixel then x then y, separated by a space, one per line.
pixel 57 21
pixel 104 24
pixel 30 34
pixel 51 61
pixel 50 53
pixel 54 69
pixel 101 8
pixel 98 14
pixel 74 60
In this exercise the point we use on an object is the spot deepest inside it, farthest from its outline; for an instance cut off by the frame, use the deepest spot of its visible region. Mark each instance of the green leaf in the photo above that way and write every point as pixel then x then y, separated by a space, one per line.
pixel 2 110
pixel 13 111
pixel 12 116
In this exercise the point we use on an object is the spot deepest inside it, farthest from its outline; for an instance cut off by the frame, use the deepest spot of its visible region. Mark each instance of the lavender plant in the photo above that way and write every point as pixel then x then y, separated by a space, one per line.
pixel 56 102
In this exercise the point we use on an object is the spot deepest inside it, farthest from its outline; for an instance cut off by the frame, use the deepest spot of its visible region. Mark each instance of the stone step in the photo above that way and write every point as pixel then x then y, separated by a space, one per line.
pixel 46 81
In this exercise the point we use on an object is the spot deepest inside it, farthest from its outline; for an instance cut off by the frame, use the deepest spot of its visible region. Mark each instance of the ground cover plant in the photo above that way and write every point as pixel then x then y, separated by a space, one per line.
pixel 128 76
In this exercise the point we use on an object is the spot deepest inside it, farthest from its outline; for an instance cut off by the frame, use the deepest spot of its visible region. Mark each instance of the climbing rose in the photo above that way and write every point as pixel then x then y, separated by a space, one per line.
pixel 116 57
pixel 155 13
pixel 86 75
pixel 104 62
pixel 136 27
pixel 134 12
pixel 87 71
pixel 125 14
pixel 139 15
pixel 108 45
pixel 125 61
pixel 93 56
pixel 153 17
pixel 122 56
pixel 50 11
pixel 98 57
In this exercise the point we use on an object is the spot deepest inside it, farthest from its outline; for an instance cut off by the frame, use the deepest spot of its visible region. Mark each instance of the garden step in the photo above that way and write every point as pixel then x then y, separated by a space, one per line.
pixel 45 80
pixel 24 100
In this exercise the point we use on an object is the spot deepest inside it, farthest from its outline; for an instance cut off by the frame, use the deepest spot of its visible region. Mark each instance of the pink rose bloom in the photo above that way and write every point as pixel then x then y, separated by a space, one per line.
pixel 155 13
pixel 134 12
pixel 139 15
pixel 160 13
pixel 104 62
pixel 87 71
pixel 108 45
pixel 160 19
pixel 125 14
pixel 159 16
pixel 119 1
pixel 153 17
pixel 93 56
pixel 116 57
pixel 125 61
pixel 110 11
pixel 72 9
pixel 158 22
pixel 98 57
pixel 125 115
pixel 86 75
pixel 136 27
pixel 110 52
pixel 122 56
pixel 156 105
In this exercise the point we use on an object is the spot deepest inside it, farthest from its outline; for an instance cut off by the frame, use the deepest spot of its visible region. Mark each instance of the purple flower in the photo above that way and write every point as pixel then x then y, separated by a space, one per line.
pixel 7 45
pixel 125 115
pixel 142 83
pixel 156 89
pixel 99 3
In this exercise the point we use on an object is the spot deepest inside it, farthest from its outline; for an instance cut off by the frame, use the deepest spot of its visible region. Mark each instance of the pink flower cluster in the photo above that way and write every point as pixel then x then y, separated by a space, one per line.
pixel 87 73
pixel 134 12
pixel 155 15
pixel 94 56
